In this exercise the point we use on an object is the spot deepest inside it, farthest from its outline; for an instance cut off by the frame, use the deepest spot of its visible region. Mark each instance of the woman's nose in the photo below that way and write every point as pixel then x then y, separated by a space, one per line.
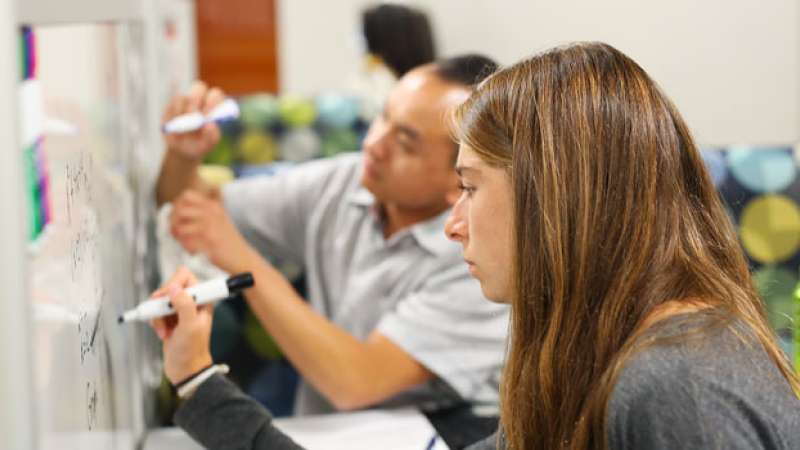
pixel 456 227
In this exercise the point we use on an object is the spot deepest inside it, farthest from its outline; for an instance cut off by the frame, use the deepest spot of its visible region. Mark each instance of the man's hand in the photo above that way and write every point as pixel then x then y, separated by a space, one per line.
pixel 185 337
pixel 199 222
pixel 194 145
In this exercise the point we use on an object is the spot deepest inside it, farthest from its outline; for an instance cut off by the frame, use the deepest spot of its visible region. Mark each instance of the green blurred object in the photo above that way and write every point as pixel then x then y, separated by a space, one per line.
pixel 257 147
pixel 166 401
pixel 297 111
pixel 32 182
pixel 339 141
pixel 23 55
pixel 260 342
pixel 222 153
pixel 776 286
pixel 259 111
pixel 225 331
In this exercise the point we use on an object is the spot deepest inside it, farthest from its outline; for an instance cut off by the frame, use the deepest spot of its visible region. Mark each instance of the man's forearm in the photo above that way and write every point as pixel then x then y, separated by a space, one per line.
pixel 348 372
pixel 177 174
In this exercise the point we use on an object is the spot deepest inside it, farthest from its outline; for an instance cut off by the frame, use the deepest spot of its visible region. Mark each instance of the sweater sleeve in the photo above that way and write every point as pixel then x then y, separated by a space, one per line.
pixel 219 415
pixel 490 443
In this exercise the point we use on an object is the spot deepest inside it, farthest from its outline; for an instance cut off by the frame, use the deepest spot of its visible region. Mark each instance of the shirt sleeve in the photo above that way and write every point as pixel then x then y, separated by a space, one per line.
pixel 273 212
pixel 219 415
pixel 450 328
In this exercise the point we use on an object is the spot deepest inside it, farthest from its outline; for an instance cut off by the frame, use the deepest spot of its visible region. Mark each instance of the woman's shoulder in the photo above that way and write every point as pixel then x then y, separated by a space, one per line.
pixel 697 379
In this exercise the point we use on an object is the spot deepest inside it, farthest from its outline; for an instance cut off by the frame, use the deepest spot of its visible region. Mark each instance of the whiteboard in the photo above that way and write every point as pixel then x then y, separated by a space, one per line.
pixel 81 267
pixel 80 380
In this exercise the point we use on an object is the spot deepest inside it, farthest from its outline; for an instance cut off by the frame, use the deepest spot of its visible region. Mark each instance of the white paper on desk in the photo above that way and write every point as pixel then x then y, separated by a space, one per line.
pixel 399 429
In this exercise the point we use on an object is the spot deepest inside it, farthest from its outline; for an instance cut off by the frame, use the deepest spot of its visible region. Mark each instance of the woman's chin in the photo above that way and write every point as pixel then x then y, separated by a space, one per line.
pixel 493 295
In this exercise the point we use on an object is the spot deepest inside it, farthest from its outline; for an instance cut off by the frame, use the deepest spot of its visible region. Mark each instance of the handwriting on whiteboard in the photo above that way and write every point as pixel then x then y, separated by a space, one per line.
pixel 91 404
pixel 78 181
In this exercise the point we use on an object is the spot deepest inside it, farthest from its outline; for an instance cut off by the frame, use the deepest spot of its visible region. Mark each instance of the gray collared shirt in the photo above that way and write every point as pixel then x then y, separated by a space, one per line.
pixel 413 288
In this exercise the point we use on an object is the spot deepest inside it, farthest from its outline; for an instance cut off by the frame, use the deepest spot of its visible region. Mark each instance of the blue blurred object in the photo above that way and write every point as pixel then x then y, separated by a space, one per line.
pixel 274 386
pixel 253 170
pixel 337 111
pixel 225 331
pixel 762 169
pixel 716 165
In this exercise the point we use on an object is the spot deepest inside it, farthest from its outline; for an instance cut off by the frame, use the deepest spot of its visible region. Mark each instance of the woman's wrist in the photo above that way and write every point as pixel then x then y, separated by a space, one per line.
pixel 183 381
pixel 187 387
pixel 190 369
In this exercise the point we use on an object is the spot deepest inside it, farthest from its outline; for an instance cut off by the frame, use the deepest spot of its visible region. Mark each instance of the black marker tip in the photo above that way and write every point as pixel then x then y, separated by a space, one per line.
pixel 119 319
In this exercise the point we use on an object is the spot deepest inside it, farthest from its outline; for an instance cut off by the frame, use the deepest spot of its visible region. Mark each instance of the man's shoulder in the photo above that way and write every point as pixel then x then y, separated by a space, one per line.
pixel 321 174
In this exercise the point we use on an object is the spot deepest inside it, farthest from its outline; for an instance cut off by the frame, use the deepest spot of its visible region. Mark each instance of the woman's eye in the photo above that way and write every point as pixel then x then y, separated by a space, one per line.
pixel 468 189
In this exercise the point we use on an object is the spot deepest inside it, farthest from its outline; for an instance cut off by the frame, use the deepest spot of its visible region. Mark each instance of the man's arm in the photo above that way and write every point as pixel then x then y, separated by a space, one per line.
pixel 177 175
pixel 185 151
pixel 350 373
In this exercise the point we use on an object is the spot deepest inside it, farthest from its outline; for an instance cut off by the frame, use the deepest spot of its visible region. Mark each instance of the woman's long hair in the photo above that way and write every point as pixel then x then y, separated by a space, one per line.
pixel 614 215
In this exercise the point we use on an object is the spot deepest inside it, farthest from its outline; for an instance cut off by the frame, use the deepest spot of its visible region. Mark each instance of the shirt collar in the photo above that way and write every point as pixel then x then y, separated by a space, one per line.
pixel 362 197
pixel 429 234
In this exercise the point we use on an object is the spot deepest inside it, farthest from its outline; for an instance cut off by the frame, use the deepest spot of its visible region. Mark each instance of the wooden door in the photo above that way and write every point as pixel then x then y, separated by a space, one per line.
pixel 237 45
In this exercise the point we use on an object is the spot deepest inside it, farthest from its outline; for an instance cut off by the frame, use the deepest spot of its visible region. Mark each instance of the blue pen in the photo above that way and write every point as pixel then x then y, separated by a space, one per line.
pixel 227 110
pixel 431 443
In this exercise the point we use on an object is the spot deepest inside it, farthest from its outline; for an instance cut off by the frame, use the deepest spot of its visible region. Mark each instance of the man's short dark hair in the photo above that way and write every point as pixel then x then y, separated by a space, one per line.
pixel 469 69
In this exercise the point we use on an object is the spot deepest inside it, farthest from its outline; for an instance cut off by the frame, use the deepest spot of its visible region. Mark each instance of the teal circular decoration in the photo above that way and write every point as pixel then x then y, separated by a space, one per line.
pixel 337 111
pixel 763 169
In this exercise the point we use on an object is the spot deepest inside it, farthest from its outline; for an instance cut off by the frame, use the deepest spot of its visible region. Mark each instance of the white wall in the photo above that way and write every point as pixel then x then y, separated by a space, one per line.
pixel 732 67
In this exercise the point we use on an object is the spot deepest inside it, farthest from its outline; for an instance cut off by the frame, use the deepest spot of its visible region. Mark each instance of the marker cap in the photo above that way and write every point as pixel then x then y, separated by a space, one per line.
pixel 240 282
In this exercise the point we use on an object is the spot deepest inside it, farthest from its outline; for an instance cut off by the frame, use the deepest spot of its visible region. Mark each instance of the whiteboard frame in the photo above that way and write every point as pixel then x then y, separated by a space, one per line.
pixel 17 416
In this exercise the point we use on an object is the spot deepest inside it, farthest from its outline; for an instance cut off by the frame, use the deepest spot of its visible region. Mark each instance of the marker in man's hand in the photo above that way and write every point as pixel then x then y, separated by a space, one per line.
pixel 227 110
pixel 202 293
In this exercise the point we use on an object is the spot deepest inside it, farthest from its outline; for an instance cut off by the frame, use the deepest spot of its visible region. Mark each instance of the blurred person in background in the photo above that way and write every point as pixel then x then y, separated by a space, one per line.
pixel 393 39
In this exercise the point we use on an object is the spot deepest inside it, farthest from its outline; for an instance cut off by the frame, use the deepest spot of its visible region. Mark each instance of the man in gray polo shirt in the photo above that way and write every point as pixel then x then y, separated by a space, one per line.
pixel 393 316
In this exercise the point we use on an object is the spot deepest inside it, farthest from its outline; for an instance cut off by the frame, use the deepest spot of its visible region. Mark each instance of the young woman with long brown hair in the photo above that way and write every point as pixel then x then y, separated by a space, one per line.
pixel 634 324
